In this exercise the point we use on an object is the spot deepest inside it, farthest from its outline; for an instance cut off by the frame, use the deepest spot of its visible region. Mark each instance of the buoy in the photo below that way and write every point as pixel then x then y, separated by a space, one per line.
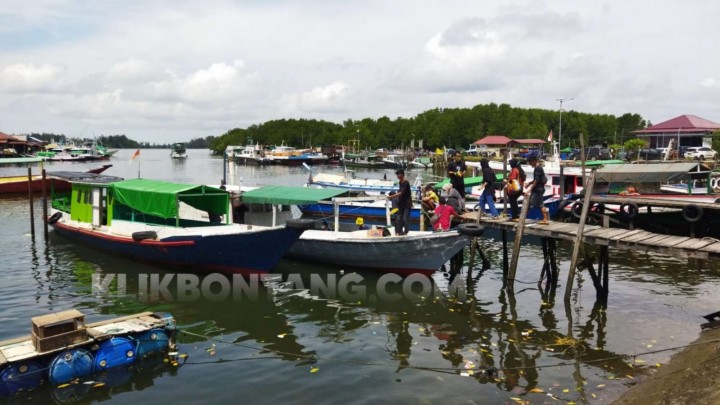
pixel 152 342
pixel 20 377
pixel 117 351
pixel 69 365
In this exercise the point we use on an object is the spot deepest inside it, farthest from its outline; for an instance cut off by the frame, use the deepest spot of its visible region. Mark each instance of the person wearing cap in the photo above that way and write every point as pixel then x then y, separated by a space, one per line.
pixel 404 203
pixel 360 224
pixel 536 189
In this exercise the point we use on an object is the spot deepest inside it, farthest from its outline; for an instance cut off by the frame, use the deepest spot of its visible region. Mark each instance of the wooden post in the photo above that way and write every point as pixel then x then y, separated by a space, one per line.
pixel 44 205
pixel 582 158
pixel 30 198
pixel 516 247
pixel 578 237
pixel 504 193
pixel 505 256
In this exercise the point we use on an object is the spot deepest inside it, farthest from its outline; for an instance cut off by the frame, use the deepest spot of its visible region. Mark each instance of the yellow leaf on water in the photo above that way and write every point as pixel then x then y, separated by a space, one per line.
pixel 571 402
pixel 593 395
pixel 658 364
pixel 648 346
pixel 182 356
pixel 629 376
pixel 600 385
pixel 315 369
pixel 566 390
pixel 98 385
pixel 63 385
pixel 537 390
pixel 639 361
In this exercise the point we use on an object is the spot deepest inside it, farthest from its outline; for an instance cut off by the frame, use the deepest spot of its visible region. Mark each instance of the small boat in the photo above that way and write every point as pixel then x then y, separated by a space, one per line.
pixel 168 224
pixel 395 161
pixel 251 155
pixel 350 183
pixel 422 162
pixel 177 151
pixel 363 160
pixel 417 252
pixel 19 184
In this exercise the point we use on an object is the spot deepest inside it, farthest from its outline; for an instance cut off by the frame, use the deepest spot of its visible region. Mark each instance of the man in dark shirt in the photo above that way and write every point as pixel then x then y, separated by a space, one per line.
pixel 456 172
pixel 536 189
pixel 404 202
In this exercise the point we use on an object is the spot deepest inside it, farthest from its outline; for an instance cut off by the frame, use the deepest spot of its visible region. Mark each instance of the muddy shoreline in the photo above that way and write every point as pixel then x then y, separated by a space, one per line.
pixel 691 377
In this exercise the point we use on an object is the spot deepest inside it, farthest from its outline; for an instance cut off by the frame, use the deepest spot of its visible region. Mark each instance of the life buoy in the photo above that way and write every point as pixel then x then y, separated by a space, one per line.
pixel 576 209
pixel 54 218
pixel 471 229
pixel 629 210
pixel 692 213
pixel 142 235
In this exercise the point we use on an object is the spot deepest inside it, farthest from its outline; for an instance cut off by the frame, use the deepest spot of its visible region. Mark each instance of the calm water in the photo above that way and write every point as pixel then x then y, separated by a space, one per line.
pixel 343 343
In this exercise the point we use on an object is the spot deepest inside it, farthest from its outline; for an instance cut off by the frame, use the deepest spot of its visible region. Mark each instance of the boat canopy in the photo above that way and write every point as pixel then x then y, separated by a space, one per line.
pixel 469 181
pixel 161 198
pixel 651 173
pixel 289 195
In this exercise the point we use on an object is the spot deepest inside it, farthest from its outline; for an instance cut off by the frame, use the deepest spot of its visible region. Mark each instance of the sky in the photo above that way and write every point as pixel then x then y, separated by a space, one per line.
pixel 166 71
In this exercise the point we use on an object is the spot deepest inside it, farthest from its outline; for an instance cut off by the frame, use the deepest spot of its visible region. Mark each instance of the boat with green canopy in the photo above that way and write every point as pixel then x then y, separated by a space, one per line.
pixel 167 223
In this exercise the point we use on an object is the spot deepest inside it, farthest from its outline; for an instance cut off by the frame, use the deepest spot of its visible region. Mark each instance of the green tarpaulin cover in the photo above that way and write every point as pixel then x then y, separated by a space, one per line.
pixel 160 198
pixel 469 181
pixel 289 195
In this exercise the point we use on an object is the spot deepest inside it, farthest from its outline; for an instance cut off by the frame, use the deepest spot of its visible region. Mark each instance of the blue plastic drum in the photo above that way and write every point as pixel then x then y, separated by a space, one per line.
pixel 152 342
pixel 20 377
pixel 69 365
pixel 115 352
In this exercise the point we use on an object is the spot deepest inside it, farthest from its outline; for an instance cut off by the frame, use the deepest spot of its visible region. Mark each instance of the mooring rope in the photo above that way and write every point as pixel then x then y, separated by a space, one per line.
pixel 446 370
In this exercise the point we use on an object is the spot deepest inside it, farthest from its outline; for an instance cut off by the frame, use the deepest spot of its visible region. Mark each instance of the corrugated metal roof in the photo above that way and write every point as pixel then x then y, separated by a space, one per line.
pixel 494 140
pixel 648 173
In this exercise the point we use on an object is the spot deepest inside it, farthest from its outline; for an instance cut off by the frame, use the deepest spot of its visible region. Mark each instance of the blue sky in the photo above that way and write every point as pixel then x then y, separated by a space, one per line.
pixel 172 70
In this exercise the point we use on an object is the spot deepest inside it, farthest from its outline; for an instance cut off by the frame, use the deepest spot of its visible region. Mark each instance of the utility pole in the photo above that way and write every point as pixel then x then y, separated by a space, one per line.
pixel 562 100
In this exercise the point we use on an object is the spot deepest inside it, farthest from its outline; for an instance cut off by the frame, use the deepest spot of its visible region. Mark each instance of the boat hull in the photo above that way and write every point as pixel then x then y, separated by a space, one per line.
pixel 19 184
pixel 242 252
pixel 410 254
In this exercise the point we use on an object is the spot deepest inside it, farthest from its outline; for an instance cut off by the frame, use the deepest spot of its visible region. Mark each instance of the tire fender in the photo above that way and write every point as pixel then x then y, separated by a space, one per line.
pixel 303 224
pixel 629 210
pixel 576 209
pixel 471 229
pixel 54 218
pixel 692 213
pixel 143 235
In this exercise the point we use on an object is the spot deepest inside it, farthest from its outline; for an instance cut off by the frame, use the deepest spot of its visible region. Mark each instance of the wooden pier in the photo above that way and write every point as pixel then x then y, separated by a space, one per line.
pixel 678 246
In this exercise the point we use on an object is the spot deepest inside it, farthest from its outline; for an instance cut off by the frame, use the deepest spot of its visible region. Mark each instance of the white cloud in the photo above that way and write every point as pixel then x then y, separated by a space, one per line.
pixel 710 83
pixel 31 78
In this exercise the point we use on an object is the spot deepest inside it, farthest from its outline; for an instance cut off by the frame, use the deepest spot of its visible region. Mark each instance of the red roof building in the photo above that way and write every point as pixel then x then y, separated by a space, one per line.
pixel 495 140
pixel 687 130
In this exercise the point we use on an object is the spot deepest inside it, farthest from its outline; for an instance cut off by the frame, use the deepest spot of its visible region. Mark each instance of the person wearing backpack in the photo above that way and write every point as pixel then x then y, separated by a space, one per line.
pixel 514 188
pixel 536 189
pixel 488 192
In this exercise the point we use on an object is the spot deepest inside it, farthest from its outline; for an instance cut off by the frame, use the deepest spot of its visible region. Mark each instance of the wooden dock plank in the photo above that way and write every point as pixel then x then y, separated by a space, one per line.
pixel 637 237
pixel 714 248
pixel 626 234
pixel 658 240
pixel 694 244
pixel 115 320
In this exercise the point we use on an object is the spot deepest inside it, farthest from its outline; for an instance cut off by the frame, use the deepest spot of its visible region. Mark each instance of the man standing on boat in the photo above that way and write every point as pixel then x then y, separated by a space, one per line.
pixel 404 203
pixel 536 189
pixel 456 172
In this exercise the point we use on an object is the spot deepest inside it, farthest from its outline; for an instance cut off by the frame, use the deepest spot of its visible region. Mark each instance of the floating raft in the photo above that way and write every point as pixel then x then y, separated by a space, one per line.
pixel 61 348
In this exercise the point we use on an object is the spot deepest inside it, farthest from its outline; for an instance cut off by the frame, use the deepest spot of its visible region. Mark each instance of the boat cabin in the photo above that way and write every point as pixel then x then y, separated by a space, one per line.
pixel 656 178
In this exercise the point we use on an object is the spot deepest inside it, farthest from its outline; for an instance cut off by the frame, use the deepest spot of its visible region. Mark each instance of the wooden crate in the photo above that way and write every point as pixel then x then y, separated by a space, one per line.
pixel 58 330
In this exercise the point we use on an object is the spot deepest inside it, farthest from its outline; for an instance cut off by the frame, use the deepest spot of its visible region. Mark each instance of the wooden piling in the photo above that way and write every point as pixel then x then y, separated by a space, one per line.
pixel 30 199
pixel 44 204
pixel 504 190
pixel 505 256
pixel 579 235
pixel 516 246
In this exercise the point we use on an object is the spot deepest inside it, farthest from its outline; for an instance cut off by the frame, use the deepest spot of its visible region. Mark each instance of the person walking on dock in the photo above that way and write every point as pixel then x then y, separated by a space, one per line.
pixel 456 171
pixel 488 189
pixel 536 189
pixel 514 188
pixel 404 202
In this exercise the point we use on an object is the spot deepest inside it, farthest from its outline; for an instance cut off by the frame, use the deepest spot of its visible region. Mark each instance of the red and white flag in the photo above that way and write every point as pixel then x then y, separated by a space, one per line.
pixel 136 154
pixel 550 136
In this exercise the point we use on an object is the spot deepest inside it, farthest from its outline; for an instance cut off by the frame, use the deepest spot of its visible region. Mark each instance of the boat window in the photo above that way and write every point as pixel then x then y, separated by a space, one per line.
pixel 555 181
pixel 87 196
pixel 79 196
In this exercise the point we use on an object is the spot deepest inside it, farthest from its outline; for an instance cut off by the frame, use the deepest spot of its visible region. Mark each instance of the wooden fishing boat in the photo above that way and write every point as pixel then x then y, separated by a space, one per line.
pixel 169 224
pixel 19 184
pixel 177 151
